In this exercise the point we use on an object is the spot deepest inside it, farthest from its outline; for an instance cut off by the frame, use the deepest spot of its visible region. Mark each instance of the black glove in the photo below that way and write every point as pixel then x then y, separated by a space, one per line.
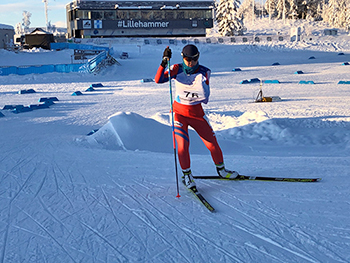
pixel 166 57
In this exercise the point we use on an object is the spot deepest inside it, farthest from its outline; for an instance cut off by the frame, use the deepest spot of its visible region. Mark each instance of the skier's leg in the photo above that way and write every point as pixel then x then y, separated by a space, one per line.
pixel 183 141
pixel 207 134
pixel 205 131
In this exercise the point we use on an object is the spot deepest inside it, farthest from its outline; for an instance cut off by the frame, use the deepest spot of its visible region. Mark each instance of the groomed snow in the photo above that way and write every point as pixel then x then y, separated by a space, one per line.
pixel 111 196
pixel 3 26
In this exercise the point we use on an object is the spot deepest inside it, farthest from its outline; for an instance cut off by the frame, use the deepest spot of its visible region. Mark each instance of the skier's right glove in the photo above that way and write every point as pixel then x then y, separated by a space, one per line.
pixel 166 57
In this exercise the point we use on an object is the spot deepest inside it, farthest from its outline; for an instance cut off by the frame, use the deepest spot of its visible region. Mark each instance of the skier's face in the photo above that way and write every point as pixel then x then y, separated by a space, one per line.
pixel 191 62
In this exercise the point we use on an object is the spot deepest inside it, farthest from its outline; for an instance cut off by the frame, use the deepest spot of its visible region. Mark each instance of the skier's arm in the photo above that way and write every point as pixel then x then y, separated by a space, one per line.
pixel 207 75
pixel 162 76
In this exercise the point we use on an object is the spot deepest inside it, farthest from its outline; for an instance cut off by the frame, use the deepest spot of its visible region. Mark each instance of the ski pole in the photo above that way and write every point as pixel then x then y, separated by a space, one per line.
pixel 173 129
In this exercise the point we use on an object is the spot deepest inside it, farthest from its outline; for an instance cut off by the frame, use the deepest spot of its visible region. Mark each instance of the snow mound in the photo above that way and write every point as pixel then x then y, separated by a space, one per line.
pixel 289 131
pixel 130 131
pixel 235 119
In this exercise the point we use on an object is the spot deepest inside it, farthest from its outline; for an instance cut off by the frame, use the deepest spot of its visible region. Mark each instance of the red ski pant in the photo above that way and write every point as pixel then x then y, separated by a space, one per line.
pixel 206 133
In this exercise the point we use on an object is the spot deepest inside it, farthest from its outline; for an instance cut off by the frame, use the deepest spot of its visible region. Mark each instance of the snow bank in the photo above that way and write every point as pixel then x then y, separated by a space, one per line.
pixel 3 26
pixel 35 56
pixel 130 131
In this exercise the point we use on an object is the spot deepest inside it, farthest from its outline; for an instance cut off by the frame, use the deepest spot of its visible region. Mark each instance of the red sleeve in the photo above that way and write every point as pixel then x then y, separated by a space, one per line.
pixel 207 75
pixel 163 76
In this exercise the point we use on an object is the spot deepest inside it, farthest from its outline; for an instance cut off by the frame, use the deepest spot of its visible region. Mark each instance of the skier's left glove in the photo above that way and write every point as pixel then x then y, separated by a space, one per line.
pixel 166 57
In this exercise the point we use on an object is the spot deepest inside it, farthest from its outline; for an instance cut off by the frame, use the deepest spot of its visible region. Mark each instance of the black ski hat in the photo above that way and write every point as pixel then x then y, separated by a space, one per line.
pixel 190 51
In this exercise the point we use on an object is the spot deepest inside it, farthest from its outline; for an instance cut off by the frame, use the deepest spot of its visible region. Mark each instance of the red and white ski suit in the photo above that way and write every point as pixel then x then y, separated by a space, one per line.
pixel 190 92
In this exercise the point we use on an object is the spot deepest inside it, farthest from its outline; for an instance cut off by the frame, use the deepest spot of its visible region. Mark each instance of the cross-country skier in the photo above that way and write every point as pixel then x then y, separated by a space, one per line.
pixel 192 89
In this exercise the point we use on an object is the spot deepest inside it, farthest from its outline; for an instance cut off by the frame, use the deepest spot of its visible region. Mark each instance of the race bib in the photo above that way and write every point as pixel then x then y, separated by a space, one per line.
pixel 192 89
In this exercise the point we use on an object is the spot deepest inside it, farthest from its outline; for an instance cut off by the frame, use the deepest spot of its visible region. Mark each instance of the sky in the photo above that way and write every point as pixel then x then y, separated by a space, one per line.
pixel 11 12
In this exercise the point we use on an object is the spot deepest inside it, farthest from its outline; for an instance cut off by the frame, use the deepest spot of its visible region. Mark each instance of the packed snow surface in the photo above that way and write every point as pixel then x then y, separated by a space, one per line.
pixel 111 196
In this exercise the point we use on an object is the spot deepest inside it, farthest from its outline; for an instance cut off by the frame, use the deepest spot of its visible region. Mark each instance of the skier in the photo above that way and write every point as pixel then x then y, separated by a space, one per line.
pixel 192 89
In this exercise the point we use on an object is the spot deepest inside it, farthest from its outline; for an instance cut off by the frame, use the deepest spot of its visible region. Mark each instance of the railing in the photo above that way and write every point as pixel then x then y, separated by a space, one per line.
pixel 41 69
pixel 90 66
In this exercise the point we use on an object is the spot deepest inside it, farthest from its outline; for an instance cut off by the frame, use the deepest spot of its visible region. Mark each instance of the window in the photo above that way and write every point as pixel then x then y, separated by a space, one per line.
pixel 109 15
pixel 158 14
pixel 169 15
pixel 97 15
pixel 83 14
pixel 147 14
pixel 207 14
pixel 70 13
pixel 134 14
pixel 122 14
pixel 180 14
pixel 194 14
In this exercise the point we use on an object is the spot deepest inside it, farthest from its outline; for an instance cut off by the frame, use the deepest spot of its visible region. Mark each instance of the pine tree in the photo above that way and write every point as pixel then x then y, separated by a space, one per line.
pixel 340 19
pixel 293 12
pixel 229 22
pixel 329 12
pixel 282 9
pixel 270 7
pixel 26 20
pixel 245 10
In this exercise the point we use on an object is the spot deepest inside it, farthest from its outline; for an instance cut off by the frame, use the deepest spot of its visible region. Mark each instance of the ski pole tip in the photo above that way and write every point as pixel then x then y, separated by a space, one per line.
pixel 178 196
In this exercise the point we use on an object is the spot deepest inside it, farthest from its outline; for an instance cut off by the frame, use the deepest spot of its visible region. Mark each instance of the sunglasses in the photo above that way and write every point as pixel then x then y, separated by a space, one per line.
pixel 189 59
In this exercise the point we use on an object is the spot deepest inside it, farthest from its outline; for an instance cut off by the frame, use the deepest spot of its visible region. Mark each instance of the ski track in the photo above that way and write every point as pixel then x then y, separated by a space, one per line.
pixel 191 232
pixel 264 237
pixel 78 198
pixel 56 206
pixel 142 215
pixel 281 226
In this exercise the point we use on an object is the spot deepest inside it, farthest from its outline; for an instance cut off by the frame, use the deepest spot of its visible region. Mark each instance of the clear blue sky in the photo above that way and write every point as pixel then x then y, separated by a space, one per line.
pixel 11 12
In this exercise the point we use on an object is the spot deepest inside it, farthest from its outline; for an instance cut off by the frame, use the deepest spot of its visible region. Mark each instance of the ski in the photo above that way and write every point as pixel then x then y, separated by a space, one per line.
pixel 261 178
pixel 200 197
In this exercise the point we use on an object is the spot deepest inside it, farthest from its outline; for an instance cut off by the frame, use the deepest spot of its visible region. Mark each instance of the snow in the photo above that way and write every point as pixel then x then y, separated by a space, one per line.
pixel 3 26
pixel 111 196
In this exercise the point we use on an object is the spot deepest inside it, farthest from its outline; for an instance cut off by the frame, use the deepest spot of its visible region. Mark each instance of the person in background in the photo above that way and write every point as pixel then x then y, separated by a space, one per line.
pixel 191 90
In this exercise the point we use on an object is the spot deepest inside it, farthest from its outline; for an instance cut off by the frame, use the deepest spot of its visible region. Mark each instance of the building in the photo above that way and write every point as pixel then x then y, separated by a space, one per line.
pixel 91 19
pixel 6 36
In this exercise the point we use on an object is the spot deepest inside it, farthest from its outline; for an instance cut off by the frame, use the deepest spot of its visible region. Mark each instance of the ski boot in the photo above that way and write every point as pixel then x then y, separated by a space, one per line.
pixel 224 173
pixel 188 178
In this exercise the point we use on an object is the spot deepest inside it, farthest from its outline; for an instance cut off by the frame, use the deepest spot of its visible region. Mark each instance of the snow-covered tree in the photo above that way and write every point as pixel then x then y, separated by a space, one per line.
pixel 18 29
pixel 293 12
pixel 246 10
pixel 336 13
pixel 270 7
pixel 228 19
pixel 318 16
pixel 282 7
pixel 26 20
pixel 50 27
pixel 341 18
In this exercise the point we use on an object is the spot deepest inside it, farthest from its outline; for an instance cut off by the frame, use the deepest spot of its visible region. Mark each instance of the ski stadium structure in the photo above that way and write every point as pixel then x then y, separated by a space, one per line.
pixel 100 19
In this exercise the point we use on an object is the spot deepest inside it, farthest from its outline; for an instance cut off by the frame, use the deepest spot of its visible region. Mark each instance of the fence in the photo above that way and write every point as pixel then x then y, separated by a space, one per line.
pixel 59 46
pixel 89 66
pixel 24 70
pixel 245 39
